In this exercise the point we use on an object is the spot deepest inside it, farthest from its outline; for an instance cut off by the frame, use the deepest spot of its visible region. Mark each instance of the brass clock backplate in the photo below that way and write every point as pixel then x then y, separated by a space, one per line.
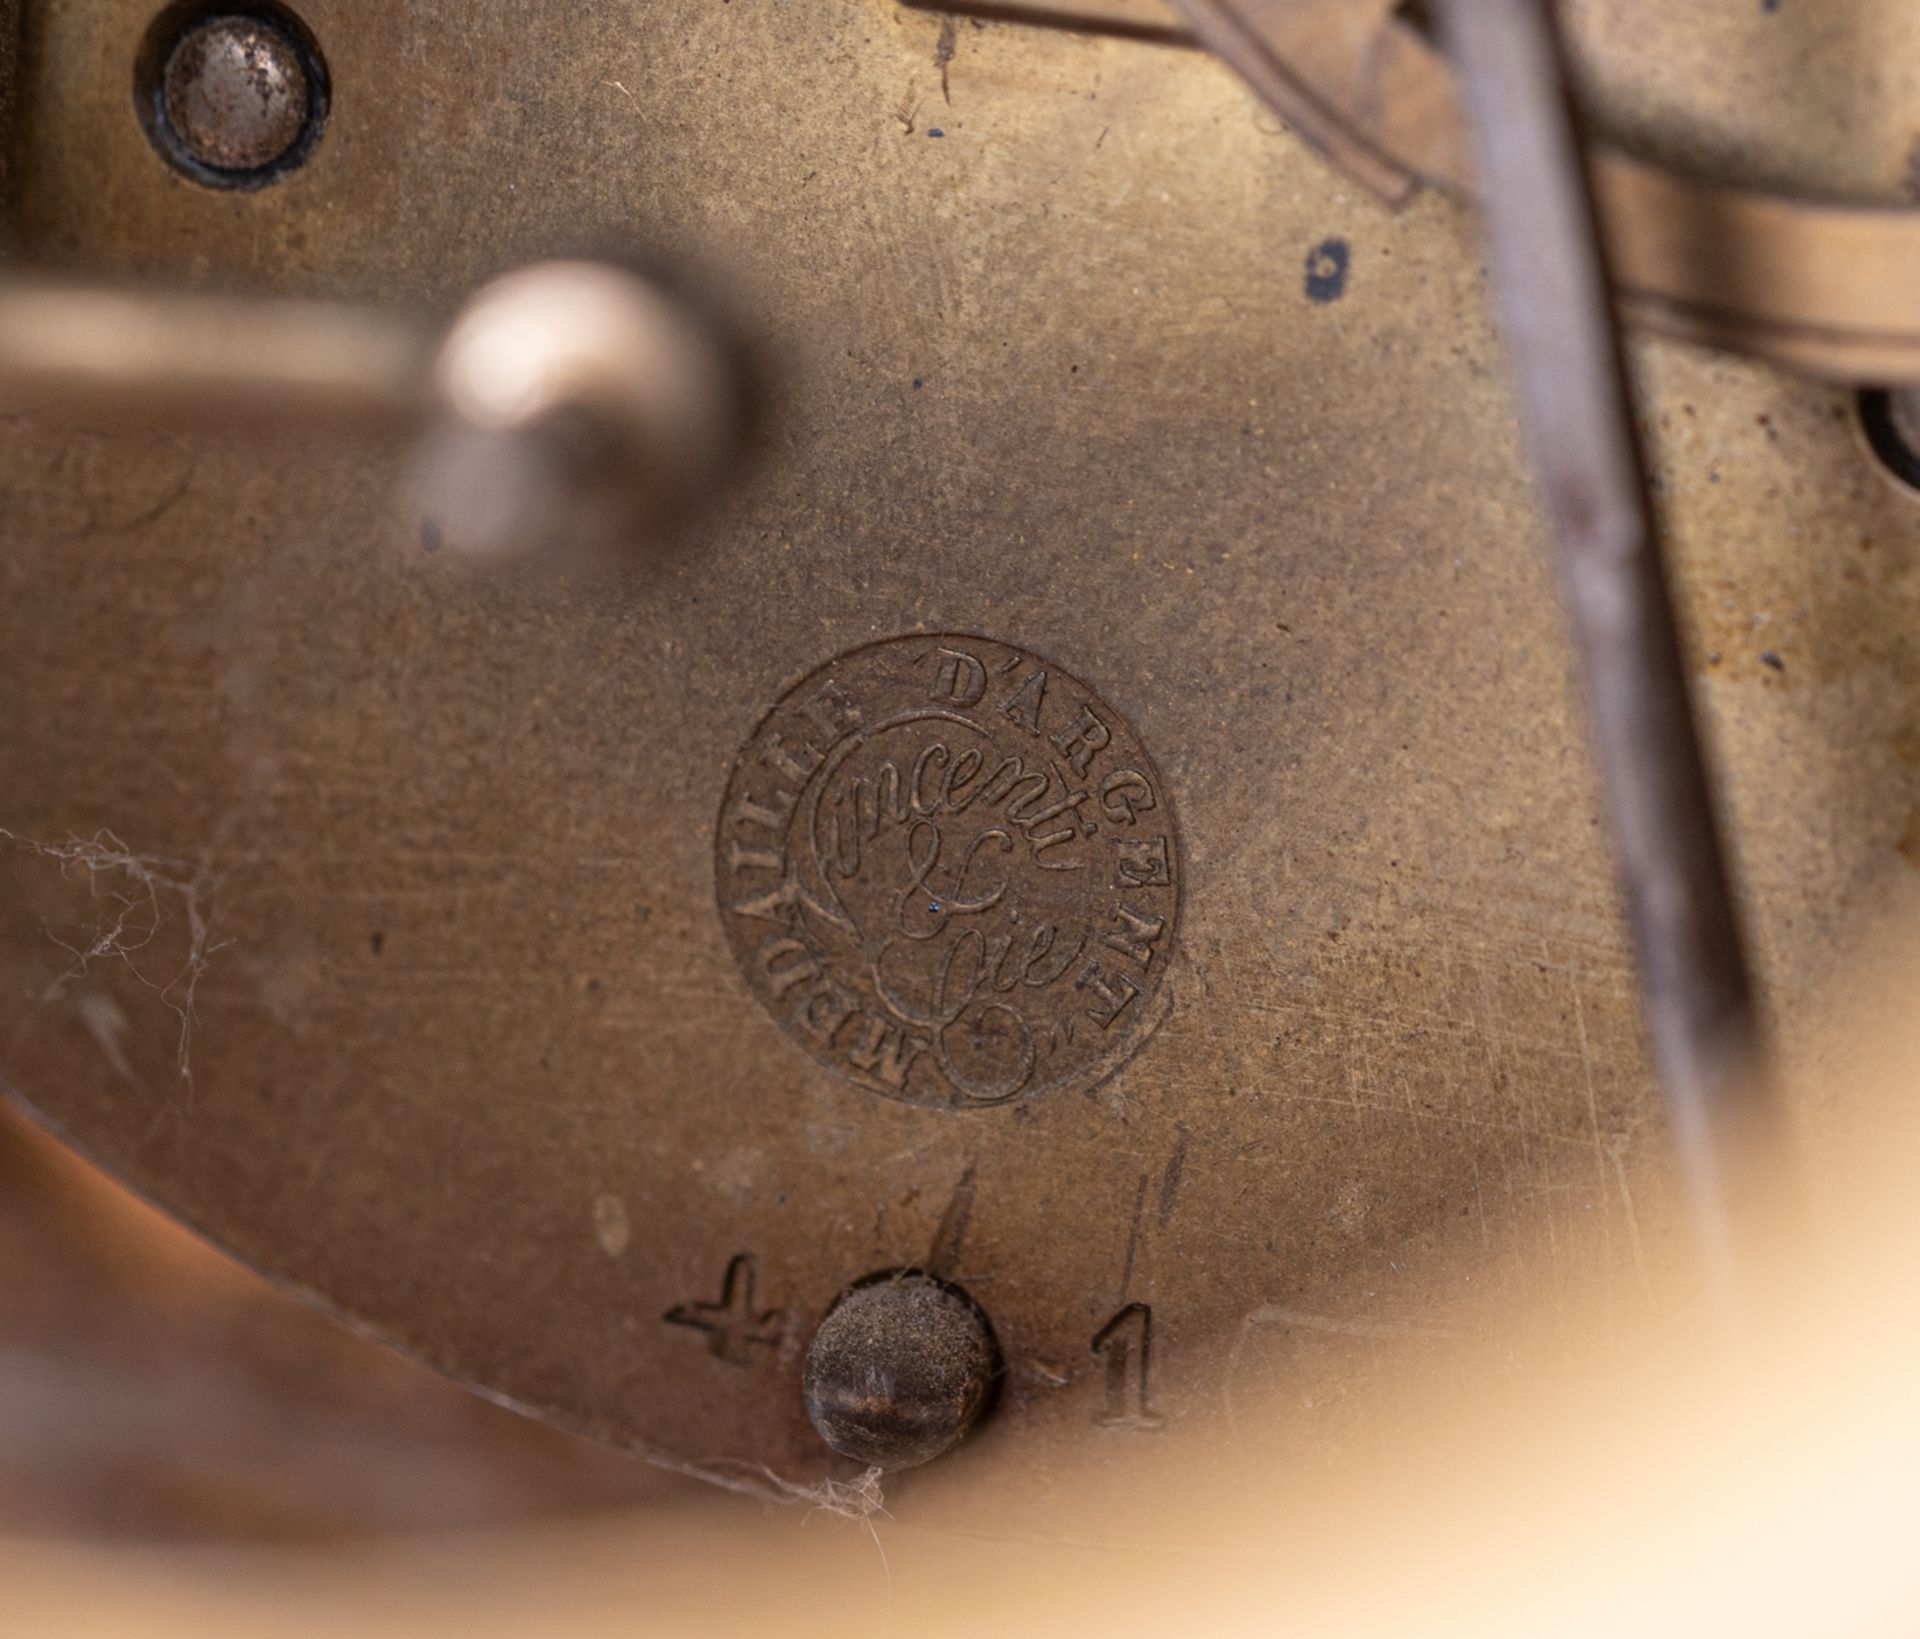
pixel 361 907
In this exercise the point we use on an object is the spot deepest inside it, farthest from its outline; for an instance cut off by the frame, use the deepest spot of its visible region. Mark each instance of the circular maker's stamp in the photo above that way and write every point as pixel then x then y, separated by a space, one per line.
pixel 950 871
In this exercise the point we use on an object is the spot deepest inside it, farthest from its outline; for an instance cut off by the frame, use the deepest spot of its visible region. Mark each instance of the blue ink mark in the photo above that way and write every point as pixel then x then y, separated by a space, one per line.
pixel 935 131
pixel 1327 270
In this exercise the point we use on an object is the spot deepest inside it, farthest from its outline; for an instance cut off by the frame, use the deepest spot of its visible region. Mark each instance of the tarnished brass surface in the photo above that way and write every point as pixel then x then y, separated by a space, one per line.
pixel 361 908
pixel 153 1391
pixel 1706 244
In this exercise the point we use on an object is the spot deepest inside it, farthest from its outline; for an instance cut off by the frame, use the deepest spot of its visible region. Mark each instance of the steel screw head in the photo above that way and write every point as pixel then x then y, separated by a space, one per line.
pixel 232 99
pixel 235 93
pixel 900 1370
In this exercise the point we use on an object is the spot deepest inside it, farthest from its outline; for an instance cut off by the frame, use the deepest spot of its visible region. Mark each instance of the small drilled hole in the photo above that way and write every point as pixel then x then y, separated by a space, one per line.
pixel 1892 436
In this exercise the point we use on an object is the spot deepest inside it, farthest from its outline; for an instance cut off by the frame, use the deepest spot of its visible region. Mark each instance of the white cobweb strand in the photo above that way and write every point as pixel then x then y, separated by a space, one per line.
pixel 133 891
pixel 859 1498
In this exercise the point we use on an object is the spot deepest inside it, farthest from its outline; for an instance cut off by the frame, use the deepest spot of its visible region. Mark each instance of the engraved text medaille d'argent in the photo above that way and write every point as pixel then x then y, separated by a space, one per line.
pixel 950 872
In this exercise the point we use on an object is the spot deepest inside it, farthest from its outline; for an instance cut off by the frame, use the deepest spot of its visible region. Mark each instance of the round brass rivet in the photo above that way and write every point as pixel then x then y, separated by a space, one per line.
pixel 900 1370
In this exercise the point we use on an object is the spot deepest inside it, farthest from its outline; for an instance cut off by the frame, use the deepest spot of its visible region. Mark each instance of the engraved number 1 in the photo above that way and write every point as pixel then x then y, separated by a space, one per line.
pixel 1125 1343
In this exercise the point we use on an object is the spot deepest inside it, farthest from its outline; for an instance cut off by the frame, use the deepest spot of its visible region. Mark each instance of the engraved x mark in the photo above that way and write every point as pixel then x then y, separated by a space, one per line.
pixel 731 1323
